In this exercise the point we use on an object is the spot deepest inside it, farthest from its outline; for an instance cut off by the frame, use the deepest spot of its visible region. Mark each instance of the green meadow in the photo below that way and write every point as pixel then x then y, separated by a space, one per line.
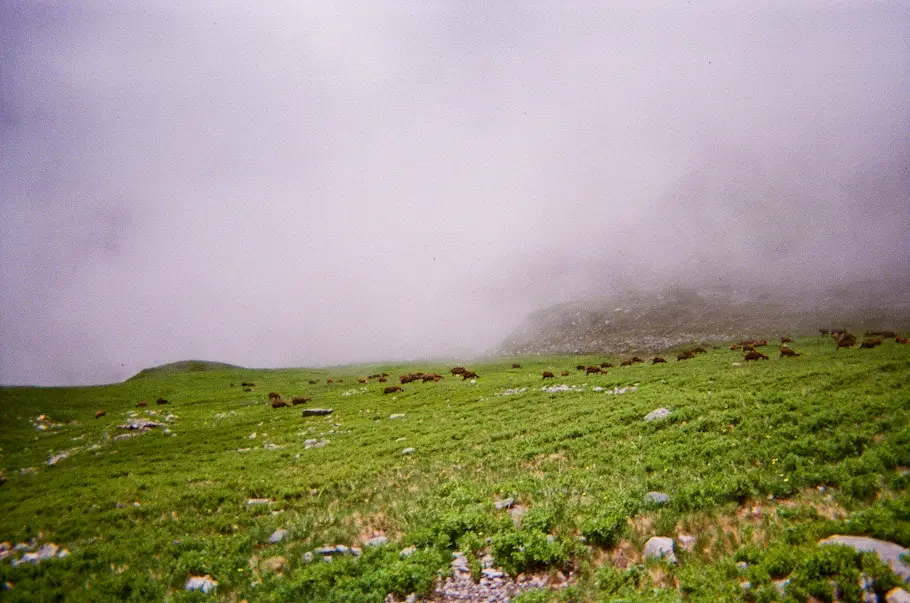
pixel 760 460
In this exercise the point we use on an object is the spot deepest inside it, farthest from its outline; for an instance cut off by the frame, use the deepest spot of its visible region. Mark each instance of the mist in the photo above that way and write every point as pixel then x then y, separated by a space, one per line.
pixel 287 185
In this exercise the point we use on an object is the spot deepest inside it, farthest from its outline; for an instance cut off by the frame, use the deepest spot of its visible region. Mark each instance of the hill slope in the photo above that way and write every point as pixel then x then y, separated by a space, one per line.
pixel 183 366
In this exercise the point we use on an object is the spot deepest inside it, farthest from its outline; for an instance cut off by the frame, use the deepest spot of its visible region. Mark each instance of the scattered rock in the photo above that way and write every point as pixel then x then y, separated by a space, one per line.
pixel 408 451
pixel 781 585
pixel 356 551
pixel 63 553
pixel 660 413
pixel 341 549
pixel 325 550
pixel 742 566
pixel 686 542
pixel 277 536
pixel 203 583
pixel 56 458
pixel 140 425
pixel 657 498
pixel 897 595
pixel 888 552
pixel 307 444
pixel 618 391
pixel 504 504
pixel 397 416
pixel 460 563
pixel 313 412
pixel 307 557
pixel 377 541
pixel 659 547
pixel 48 551
pixel 407 552
pixel 251 502
pixel 491 573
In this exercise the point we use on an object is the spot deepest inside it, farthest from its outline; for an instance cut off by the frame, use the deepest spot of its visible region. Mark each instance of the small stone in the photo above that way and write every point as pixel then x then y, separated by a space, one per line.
pixel 63 553
pixel 307 557
pixel 657 498
pixel 397 416
pixel 325 550
pixel 487 561
pixel 203 583
pixel 277 536
pixel 29 558
pixel 250 502
pixel 407 552
pixel 48 551
pixel 742 566
pixel 356 551
pixel 781 585
pixel 377 541
pixel 660 413
pixel 327 558
pixel 310 412
pixel 504 504
pixel 897 595
pixel 408 451
pixel 341 549
pixel 491 573
pixel 461 564
pixel 659 547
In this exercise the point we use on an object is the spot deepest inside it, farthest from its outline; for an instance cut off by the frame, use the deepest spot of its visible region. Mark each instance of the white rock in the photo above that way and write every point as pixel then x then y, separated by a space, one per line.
pixel 203 583
pixel 48 551
pixel 660 413
pixel 397 416
pixel 659 547
pixel 897 595
pixel 277 536
pixel 408 451
pixel 377 541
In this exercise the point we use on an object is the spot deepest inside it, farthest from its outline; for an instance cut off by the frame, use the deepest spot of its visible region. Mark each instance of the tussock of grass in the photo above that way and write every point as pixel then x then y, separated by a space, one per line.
pixel 817 444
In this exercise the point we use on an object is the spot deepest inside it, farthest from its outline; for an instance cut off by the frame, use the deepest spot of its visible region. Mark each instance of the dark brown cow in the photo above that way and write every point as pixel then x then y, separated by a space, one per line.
pixel 392 389
pixel 279 403
pixel 312 382
pixel 160 401
pixel 580 367
pixel 626 362
pixel 699 350
pixel 657 360
pixel 845 341
pixel 300 400
pixel 786 340
pixel 516 365
pixel 882 334
pixel 753 355
pixel 590 370
pixel 468 375
pixel 142 404
pixel 868 344
pixel 100 414
pixel 685 355
pixel 329 380
pixel 458 370
pixel 636 359
pixel 274 396
pixel 247 389
pixel 383 380
pixel 362 380
pixel 547 375
pixel 761 343
pixel 785 351
pixel 606 365
pixel 431 377
pixel 564 374
pixel 900 340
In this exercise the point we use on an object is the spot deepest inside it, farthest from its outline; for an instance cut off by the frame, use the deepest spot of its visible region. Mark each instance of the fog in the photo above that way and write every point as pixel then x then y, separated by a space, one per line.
pixel 273 184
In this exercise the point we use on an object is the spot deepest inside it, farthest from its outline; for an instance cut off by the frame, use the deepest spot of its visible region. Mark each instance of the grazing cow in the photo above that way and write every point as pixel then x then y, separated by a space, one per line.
pixel 406 379
pixel 868 344
pixel 300 400
pixel 606 365
pixel 685 355
pixel 882 334
pixel 328 380
pixel 468 375
pixel 392 389
pixel 458 370
pixel 899 339
pixel 753 355
pixel 100 414
pixel 748 347
pixel 736 346
pixel 383 380
pixel 699 350
pixel 580 367
pixel 760 343
pixel 384 375
pixel 160 401
pixel 547 375
pixel 142 404
pixel 431 377
pixel 279 403
pixel 247 389
pixel 362 380
pixel 657 360
pixel 274 396
pixel 312 382
pixel 785 351
pixel 590 370
pixel 247 384
pixel 564 374
pixel 516 365
pixel 635 359
pixel 845 341
pixel 786 340
pixel 626 363
pixel 341 381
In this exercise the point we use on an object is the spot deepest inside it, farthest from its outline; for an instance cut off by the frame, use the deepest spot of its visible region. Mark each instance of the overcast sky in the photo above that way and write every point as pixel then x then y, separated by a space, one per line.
pixel 272 184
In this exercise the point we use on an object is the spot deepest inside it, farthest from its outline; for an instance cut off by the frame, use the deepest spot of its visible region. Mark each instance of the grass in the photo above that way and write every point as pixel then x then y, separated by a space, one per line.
pixel 760 459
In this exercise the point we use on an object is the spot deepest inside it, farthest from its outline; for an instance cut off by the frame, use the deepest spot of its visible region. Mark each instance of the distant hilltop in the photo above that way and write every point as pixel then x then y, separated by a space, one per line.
pixel 678 316
pixel 184 366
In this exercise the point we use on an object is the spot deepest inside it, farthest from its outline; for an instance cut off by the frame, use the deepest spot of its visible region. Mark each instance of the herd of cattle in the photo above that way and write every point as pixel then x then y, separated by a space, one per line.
pixel 842 339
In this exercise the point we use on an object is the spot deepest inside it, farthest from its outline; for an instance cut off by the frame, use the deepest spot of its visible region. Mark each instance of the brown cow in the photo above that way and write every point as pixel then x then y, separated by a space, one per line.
pixel 580 367
pixel 142 404
pixel 786 340
pixel 736 346
pixel 516 365
pixel 685 355
pixel 279 403
pixel 300 400
pixel 636 359
pixel 329 380
pixel 362 380
pixel 274 396
pixel 564 374
pixel 407 379
pixel 699 350
pixel 100 414
pixel 589 370
pixel 900 339
pixel 785 351
pixel 547 375
pixel 160 401
pixel 868 344
pixel 657 360
pixel 247 389
pixel 845 341
pixel 760 343
pixel 753 355
pixel 383 380
pixel 882 334
pixel 458 370
pixel 392 389
pixel 312 382
pixel 626 363
pixel 468 375
pixel 431 377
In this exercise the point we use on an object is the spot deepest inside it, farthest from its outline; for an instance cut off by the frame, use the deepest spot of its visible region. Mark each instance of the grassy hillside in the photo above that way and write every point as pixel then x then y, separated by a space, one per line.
pixel 760 459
